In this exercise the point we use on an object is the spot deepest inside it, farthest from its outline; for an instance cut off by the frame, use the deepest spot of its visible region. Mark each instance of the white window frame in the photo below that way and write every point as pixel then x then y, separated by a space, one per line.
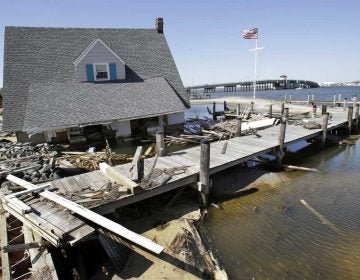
pixel 107 69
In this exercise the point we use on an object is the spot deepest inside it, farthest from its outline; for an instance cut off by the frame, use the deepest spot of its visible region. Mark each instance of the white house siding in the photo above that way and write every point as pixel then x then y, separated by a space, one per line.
pixel 176 118
pixel 99 54
pixel 122 128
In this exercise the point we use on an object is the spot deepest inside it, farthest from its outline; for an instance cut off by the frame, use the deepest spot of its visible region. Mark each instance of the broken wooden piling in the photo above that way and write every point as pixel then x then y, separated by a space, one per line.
pixel 350 118
pixel 238 127
pixel 204 174
pixel 323 109
pixel 280 153
pixel 314 111
pixel 324 125
pixel 214 112
pixel 160 145
pixel 270 111
pixel 357 115
pixel 345 103
pixel 334 102
pixel 282 109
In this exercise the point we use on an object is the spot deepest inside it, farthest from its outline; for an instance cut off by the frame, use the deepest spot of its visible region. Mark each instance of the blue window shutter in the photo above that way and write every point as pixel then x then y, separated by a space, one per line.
pixel 112 68
pixel 90 72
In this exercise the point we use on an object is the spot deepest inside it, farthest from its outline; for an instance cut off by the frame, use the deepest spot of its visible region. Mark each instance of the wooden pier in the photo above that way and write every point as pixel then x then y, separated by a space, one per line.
pixel 64 226
pixel 239 149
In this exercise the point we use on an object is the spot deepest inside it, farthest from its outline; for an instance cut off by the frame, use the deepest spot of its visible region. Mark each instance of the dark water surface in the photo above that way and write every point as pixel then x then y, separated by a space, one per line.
pixel 269 234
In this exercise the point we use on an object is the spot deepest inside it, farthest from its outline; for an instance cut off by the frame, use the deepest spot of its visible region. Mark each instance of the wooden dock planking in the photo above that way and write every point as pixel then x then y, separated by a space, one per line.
pixel 239 149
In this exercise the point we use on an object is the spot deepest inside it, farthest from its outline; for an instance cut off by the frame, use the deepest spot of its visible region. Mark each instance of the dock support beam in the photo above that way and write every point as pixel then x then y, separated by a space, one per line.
pixel 270 111
pixel 314 111
pixel 308 99
pixel 334 103
pixel 238 109
pixel 282 109
pixel 252 106
pixel 350 118
pixel 323 109
pixel 160 146
pixel 286 113
pixel 280 153
pixel 214 111
pixel 204 174
pixel 324 125
pixel 345 103
pixel 238 127
pixel 357 115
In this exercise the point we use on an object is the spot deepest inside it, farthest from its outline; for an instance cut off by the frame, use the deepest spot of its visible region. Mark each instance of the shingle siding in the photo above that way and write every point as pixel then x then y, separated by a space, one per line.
pixel 38 55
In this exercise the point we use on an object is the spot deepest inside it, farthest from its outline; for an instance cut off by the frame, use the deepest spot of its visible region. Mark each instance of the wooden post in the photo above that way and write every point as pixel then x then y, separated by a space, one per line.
pixel 161 122
pixel 323 109
pixel 225 106
pixel 350 118
pixel 238 109
pixel 285 97
pixel 357 115
pixel 314 111
pixel 160 147
pixel 339 97
pixel 252 106
pixel 270 111
pixel 334 104
pixel 345 103
pixel 204 174
pixel 324 125
pixel 308 99
pixel 214 112
pixel 238 127
pixel 290 97
pixel 354 101
pixel 282 109
pixel 280 154
pixel 286 112
pixel 313 97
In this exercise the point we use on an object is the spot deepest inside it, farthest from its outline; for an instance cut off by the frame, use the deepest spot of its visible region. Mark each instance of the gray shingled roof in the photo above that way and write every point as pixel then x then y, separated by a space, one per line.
pixel 37 55
pixel 72 103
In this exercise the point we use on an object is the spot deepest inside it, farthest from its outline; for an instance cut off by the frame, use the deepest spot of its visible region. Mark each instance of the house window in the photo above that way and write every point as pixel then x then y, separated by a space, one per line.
pixel 101 71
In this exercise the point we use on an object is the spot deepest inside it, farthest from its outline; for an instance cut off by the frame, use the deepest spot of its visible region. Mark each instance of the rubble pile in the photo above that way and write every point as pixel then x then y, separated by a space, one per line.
pixel 31 163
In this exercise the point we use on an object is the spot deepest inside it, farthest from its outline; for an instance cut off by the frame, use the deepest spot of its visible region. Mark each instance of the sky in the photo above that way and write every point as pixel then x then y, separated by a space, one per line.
pixel 312 40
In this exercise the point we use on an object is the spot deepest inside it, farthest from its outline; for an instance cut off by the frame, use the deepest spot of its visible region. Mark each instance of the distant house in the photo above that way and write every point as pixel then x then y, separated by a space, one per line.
pixel 65 84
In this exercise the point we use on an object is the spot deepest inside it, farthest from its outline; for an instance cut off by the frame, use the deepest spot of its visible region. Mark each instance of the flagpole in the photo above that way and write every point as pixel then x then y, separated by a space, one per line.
pixel 254 84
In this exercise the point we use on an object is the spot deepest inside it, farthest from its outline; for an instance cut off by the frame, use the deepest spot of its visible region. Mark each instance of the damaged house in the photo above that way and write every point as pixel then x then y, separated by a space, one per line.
pixel 67 84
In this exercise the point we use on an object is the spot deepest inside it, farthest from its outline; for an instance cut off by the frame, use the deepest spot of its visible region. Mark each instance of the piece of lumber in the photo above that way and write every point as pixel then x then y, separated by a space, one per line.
pixel 293 167
pixel 17 203
pixel 5 263
pixel 134 164
pixel 320 217
pixel 38 188
pixel 116 176
pixel 93 217
pixel 20 247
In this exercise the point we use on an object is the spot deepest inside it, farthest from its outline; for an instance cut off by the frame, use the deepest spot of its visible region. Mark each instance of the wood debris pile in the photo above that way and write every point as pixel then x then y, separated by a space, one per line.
pixel 158 177
pixel 90 198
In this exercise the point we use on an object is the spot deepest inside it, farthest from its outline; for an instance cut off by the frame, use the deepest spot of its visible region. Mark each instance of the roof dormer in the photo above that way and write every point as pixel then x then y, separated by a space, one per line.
pixel 98 62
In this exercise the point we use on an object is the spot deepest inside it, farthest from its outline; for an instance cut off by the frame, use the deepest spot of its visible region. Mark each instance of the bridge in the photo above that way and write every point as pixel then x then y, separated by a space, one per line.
pixel 247 86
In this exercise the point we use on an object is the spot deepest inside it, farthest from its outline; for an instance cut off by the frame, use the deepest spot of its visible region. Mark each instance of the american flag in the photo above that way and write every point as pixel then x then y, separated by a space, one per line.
pixel 250 33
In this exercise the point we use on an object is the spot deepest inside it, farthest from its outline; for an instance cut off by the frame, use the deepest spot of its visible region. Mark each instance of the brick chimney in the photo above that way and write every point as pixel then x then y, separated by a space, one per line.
pixel 159 25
